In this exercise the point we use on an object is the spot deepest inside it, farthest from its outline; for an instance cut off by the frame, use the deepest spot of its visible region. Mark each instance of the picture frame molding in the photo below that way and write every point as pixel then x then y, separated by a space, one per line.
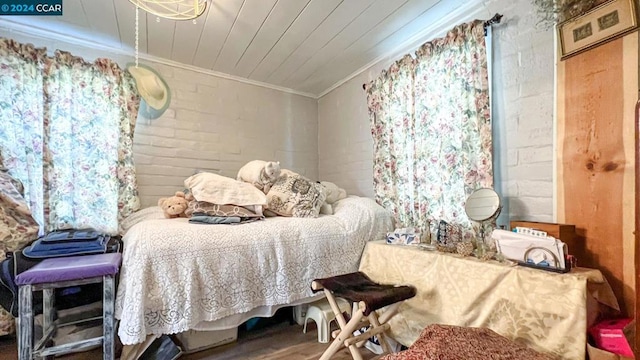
pixel 566 51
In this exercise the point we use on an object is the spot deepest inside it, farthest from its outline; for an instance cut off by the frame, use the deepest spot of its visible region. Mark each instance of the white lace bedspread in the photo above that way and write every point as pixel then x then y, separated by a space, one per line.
pixel 175 274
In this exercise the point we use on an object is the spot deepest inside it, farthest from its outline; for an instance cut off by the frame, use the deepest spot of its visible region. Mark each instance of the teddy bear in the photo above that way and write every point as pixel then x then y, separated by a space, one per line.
pixel 174 206
pixel 261 174
pixel 334 193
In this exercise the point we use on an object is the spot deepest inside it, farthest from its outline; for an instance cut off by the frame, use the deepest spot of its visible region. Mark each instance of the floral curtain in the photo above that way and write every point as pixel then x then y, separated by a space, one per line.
pixel 431 125
pixel 22 116
pixel 69 136
pixel 391 105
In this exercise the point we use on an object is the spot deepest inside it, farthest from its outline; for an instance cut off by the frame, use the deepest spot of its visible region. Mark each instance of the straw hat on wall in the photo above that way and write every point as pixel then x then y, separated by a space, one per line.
pixel 155 93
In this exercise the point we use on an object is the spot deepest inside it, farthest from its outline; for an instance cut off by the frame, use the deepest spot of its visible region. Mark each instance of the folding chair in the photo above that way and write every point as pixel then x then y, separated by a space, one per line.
pixel 367 296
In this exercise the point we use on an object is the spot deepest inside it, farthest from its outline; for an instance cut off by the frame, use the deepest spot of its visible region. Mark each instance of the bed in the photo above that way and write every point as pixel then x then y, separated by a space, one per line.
pixel 177 276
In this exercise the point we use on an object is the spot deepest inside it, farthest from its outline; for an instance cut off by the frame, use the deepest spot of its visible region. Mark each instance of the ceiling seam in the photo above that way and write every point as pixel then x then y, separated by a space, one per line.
pixel 256 34
pixel 173 41
pixel 115 12
pixel 305 39
pixel 407 24
pixel 468 12
pixel 85 15
pixel 204 26
pixel 361 36
pixel 288 38
pixel 280 38
pixel 146 34
pixel 69 40
pixel 228 34
pixel 291 73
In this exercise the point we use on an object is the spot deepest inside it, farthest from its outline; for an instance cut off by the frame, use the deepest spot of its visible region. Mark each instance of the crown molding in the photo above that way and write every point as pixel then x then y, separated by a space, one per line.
pixel 468 11
pixel 15 27
pixel 463 13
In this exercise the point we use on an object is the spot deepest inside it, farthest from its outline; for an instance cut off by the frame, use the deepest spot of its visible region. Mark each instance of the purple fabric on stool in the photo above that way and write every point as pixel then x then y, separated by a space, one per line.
pixel 71 268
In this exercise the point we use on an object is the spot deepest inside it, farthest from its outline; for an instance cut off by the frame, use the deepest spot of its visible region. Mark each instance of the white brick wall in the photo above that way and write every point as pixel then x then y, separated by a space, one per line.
pixel 213 124
pixel 523 118
pixel 217 125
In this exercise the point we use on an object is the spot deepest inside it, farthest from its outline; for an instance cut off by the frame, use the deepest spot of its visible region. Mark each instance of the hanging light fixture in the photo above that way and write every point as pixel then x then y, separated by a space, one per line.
pixel 153 89
pixel 172 9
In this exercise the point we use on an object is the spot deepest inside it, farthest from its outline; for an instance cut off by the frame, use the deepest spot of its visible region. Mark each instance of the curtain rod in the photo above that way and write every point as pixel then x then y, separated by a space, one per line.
pixel 494 20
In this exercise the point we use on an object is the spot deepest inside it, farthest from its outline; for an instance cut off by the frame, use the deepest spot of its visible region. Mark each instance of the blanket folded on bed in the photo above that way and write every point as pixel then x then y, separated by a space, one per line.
pixel 229 220
pixel 210 209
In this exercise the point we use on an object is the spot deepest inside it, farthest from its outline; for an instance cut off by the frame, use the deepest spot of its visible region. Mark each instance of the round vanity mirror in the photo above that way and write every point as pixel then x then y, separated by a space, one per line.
pixel 482 204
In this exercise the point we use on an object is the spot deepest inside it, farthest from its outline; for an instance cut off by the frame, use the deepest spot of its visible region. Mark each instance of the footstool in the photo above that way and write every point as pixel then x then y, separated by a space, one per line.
pixel 321 312
pixel 367 297
pixel 62 272
pixel 442 342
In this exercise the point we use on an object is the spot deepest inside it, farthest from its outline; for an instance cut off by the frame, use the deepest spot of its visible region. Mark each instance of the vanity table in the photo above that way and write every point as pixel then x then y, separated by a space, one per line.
pixel 544 310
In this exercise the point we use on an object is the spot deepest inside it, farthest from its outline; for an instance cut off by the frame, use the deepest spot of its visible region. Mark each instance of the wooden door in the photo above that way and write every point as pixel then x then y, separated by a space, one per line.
pixel 637 230
pixel 596 159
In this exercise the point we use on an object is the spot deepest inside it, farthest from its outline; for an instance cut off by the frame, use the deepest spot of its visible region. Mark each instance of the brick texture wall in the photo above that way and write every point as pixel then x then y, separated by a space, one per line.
pixel 523 91
pixel 217 125
pixel 213 124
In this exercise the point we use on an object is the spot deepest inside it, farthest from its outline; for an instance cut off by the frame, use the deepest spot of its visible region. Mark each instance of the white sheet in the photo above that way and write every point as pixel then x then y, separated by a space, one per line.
pixel 175 274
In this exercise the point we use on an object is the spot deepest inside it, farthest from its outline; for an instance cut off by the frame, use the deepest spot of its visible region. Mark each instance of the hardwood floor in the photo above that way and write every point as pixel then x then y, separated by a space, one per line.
pixel 277 341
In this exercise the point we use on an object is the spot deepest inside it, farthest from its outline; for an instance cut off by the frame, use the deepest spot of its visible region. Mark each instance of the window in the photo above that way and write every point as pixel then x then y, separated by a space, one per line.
pixel 431 124
pixel 67 133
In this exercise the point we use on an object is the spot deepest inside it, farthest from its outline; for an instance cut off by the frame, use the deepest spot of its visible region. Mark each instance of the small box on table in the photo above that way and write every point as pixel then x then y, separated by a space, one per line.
pixel 404 236
pixel 564 232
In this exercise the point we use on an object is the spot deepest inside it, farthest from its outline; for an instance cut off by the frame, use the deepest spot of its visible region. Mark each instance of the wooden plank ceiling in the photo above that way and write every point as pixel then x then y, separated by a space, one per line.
pixel 304 45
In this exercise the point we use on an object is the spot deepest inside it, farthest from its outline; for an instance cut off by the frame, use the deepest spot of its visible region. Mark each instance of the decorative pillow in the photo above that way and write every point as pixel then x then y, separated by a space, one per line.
pixel 294 195
pixel 219 210
pixel 217 189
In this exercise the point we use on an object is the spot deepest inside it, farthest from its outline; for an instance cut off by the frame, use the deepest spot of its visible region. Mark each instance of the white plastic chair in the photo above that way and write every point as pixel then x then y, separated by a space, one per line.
pixel 321 312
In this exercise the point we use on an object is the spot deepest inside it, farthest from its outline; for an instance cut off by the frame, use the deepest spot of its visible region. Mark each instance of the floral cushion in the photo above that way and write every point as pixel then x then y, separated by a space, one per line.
pixel 296 196
pixel 17 229
pixel 440 342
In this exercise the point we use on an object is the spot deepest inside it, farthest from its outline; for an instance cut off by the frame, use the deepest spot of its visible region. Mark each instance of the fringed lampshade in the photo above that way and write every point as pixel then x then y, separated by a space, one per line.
pixel 173 9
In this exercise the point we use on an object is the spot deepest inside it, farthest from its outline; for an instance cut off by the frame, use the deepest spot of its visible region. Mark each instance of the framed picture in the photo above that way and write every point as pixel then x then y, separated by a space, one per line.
pixel 603 23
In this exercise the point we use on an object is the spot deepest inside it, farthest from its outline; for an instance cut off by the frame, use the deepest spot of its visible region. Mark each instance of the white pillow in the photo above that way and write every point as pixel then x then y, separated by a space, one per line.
pixel 222 190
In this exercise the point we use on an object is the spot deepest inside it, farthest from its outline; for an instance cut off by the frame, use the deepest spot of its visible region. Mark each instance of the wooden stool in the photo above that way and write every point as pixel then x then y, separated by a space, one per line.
pixel 63 272
pixel 368 296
